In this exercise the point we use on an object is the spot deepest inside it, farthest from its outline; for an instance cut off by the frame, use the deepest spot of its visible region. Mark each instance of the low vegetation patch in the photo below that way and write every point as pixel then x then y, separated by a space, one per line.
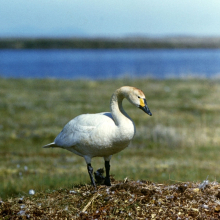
pixel 123 200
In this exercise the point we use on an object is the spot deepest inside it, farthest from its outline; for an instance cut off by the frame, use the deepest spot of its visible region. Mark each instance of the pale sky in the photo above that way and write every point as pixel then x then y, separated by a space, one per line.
pixel 109 18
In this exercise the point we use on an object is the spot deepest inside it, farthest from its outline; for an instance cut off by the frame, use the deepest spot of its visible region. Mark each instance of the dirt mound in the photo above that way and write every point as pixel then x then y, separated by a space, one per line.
pixel 123 200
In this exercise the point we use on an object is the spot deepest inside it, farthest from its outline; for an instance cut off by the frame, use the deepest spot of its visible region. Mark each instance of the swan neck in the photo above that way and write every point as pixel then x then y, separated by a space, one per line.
pixel 117 110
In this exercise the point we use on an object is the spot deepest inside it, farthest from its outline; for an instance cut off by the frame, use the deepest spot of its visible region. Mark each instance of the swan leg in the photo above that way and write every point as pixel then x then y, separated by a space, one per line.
pixel 90 171
pixel 107 178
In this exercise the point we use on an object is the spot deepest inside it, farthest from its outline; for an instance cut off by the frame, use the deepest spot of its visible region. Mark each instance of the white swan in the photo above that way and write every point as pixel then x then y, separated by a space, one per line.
pixel 102 134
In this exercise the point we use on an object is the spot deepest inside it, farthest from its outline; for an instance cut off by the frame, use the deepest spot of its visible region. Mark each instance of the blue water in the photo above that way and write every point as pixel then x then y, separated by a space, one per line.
pixel 104 64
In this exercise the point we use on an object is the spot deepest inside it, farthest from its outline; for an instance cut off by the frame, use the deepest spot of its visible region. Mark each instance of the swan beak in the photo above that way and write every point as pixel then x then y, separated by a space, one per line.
pixel 146 110
pixel 144 107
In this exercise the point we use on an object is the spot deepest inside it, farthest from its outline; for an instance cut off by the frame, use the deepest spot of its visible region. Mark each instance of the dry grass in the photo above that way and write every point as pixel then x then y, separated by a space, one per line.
pixel 123 200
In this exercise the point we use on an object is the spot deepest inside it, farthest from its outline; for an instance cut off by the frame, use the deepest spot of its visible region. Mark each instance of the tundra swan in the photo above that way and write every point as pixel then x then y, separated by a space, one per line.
pixel 102 134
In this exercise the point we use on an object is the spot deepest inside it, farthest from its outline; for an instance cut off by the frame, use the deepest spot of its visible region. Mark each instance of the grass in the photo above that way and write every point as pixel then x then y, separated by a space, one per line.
pixel 179 142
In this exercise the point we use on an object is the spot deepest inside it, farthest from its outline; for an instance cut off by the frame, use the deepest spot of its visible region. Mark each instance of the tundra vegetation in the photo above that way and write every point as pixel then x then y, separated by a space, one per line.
pixel 173 151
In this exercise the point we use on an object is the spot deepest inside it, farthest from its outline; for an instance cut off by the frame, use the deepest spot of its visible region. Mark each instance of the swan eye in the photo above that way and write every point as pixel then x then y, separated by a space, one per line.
pixel 139 97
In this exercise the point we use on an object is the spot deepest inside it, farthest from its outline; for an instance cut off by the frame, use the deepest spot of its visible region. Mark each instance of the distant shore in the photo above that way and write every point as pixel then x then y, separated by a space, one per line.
pixel 108 43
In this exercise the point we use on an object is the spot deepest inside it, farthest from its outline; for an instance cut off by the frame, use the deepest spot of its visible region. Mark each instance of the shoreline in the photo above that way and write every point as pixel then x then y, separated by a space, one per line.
pixel 110 43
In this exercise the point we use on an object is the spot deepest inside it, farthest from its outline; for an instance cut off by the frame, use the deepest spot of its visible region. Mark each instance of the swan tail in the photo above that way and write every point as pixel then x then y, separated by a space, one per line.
pixel 50 145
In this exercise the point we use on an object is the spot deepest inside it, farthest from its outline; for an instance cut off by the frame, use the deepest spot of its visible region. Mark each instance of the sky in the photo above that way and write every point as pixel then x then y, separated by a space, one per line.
pixel 109 18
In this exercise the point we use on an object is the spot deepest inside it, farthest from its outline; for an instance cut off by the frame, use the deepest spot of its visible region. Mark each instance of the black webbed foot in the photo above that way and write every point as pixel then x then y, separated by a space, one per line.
pixel 107 181
pixel 99 176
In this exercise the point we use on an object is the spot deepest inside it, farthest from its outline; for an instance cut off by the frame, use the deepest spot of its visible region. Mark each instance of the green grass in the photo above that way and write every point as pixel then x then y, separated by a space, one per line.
pixel 179 142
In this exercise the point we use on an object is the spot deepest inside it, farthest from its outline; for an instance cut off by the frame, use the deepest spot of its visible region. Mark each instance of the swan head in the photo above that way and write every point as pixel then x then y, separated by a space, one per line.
pixel 136 97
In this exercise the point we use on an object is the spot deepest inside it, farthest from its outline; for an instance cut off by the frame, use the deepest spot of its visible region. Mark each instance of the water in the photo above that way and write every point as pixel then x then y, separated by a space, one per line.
pixel 105 64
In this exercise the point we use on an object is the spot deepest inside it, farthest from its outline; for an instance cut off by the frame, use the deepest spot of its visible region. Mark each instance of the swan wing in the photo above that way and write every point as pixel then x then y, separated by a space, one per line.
pixel 81 129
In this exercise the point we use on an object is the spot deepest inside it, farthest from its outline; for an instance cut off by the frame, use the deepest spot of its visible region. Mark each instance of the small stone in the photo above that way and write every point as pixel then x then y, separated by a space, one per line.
pixel 31 192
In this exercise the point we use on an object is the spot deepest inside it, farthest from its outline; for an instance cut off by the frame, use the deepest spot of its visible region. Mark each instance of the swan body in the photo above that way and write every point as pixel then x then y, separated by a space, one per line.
pixel 102 134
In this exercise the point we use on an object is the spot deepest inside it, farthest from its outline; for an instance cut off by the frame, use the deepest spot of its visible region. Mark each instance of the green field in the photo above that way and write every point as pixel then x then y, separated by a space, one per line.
pixel 180 142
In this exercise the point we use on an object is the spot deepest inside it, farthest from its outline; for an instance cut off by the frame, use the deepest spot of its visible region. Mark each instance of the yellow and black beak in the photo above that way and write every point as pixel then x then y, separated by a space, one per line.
pixel 144 107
